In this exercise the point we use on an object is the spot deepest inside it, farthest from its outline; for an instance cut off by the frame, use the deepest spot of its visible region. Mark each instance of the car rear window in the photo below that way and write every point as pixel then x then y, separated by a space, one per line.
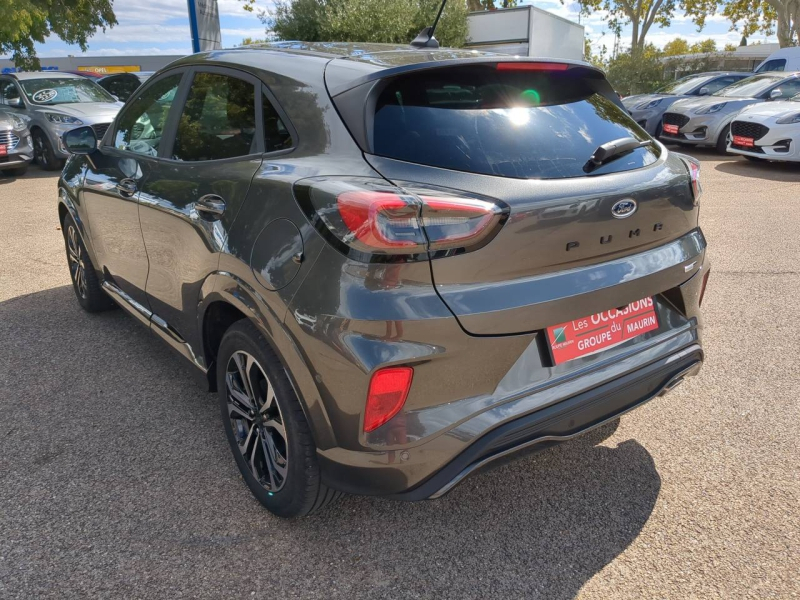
pixel 520 124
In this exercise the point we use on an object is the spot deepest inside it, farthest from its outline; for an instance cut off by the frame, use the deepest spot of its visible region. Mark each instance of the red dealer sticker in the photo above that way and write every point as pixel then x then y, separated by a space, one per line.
pixel 739 140
pixel 3 150
pixel 601 331
pixel 673 129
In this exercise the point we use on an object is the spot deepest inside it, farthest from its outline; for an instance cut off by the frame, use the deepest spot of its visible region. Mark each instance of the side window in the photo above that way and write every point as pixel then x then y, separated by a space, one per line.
pixel 778 64
pixel 276 136
pixel 218 121
pixel 720 83
pixel 140 125
pixel 789 88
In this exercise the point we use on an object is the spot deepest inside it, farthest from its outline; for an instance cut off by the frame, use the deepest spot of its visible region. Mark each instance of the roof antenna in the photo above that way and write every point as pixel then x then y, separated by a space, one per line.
pixel 425 37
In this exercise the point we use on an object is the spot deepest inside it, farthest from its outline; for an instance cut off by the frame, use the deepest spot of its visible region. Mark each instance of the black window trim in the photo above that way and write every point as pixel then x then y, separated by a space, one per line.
pixel 15 82
pixel 107 145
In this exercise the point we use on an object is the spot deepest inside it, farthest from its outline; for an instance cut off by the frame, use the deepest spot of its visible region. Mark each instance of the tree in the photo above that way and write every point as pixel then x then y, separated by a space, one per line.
pixel 676 47
pixel 391 21
pixel 640 14
pixel 598 60
pixel 475 5
pixel 730 48
pixel 630 74
pixel 704 47
pixel 753 16
pixel 24 22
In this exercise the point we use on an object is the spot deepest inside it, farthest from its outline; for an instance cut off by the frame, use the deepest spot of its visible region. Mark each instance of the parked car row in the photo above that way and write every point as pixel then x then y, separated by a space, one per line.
pixel 757 116
pixel 37 108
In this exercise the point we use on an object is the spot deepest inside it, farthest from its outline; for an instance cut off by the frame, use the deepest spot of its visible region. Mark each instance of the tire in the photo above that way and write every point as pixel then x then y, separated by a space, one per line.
pixel 254 415
pixel 44 153
pixel 85 281
pixel 722 140
pixel 659 129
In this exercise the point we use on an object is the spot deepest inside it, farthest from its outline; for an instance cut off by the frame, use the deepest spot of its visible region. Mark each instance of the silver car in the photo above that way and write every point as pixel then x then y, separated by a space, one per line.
pixel 54 103
pixel 16 148
pixel 648 109
pixel 706 121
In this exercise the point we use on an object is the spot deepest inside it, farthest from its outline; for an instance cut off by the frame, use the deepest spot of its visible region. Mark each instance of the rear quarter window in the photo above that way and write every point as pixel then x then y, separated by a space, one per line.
pixel 520 124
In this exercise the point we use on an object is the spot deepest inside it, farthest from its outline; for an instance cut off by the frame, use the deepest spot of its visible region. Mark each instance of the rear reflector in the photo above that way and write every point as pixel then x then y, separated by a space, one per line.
pixel 387 394
pixel 703 288
pixel 532 66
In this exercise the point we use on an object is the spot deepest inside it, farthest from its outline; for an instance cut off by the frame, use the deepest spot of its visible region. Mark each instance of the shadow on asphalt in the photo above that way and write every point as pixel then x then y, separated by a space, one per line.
pixel 764 170
pixel 108 447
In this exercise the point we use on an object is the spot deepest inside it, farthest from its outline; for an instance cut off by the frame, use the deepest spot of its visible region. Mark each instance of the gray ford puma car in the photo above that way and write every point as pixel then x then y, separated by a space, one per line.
pixel 394 266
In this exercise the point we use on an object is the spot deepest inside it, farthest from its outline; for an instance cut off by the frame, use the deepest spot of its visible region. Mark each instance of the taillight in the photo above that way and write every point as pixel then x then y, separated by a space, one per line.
pixel 532 66
pixel 388 390
pixel 693 165
pixel 372 220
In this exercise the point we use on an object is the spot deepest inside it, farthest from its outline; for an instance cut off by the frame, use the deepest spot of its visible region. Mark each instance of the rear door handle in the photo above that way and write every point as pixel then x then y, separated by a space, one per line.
pixel 210 206
pixel 126 187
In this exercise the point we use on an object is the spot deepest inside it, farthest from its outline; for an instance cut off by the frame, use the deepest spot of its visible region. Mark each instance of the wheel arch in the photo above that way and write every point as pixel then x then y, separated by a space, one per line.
pixel 225 300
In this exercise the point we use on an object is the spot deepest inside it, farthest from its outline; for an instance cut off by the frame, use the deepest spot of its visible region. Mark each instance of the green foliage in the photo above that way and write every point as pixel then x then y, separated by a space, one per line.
pixel 752 16
pixel 631 74
pixel 676 47
pixel 476 5
pixel 729 48
pixel 25 22
pixel 704 47
pixel 389 21
pixel 641 15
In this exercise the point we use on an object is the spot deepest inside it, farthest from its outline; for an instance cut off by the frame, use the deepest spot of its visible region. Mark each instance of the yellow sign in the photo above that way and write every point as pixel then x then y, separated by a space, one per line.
pixel 106 69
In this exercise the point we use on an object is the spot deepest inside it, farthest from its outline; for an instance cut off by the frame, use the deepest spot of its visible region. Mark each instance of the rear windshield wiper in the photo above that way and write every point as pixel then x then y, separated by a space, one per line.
pixel 612 150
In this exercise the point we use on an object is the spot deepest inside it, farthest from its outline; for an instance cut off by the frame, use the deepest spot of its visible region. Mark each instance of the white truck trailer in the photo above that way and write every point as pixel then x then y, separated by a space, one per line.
pixel 525 31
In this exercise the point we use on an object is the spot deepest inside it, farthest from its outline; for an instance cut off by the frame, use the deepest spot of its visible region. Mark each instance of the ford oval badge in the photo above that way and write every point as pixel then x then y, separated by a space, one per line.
pixel 624 208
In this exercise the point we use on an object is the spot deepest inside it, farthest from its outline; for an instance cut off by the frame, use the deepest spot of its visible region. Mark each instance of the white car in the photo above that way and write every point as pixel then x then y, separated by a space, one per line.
pixel 770 130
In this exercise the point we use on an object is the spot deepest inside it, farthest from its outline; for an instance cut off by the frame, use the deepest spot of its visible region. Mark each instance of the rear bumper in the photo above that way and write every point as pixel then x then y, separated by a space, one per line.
pixel 563 421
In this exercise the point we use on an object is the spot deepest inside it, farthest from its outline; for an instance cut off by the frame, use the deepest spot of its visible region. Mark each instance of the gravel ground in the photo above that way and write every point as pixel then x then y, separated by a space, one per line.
pixel 116 479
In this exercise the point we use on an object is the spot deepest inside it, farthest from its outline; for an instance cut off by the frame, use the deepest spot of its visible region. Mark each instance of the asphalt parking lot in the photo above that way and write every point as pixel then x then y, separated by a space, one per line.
pixel 116 480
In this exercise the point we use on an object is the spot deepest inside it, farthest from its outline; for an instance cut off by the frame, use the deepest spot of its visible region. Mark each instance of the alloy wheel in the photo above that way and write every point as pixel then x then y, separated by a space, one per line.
pixel 77 268
pixel 256 419
pixel 39 152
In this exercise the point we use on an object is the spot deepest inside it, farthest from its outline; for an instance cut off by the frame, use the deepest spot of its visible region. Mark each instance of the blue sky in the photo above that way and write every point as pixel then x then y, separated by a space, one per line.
pixel 162 27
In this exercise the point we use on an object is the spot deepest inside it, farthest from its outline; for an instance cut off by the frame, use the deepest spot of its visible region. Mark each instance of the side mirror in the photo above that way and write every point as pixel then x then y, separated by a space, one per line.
pixel 704 91
pixel 775 94
pixel 15 102
pixel 81 140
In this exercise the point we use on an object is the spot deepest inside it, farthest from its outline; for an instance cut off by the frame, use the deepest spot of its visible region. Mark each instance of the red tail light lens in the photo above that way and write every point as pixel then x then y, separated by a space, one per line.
pixel 371 219
pixel 387 394
pixel 532 66
pixel 694 173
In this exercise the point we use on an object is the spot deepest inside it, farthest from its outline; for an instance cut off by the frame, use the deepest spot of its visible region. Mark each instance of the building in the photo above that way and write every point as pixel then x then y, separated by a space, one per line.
pixel 100 64
pixel 525 31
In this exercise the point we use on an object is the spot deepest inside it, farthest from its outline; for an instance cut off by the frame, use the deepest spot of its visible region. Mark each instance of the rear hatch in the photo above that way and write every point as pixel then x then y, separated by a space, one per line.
pixel 522 133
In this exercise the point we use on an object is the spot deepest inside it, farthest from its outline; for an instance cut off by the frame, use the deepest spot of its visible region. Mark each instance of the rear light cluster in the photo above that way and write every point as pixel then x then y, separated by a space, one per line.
pixel 373 220
pixel 694 172
pixel 388 390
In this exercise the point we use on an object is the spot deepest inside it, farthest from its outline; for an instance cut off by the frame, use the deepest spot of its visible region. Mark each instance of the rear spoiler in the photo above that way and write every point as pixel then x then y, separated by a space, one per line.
pixel 339 83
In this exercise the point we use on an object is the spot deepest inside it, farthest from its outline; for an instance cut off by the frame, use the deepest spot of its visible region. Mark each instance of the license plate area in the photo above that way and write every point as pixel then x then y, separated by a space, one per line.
pixel 671 129
pixel 746 142
pixel 3 150
pixel 601 331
